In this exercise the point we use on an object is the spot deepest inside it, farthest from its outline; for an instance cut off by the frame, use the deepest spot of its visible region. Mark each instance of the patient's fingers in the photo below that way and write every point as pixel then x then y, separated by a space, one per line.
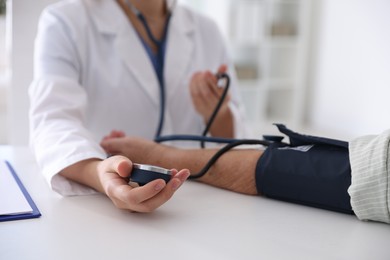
pixel 114 145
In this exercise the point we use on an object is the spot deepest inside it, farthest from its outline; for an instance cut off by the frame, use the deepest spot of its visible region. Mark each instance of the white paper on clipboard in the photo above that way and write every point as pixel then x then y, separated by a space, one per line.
pixel 12 199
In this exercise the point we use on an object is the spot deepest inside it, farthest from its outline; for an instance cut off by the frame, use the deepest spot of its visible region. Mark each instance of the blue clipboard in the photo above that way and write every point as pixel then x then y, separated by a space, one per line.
pixel 34 214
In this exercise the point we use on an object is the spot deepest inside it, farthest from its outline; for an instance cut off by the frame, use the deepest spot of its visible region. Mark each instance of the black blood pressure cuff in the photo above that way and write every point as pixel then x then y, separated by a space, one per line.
pixel 312 171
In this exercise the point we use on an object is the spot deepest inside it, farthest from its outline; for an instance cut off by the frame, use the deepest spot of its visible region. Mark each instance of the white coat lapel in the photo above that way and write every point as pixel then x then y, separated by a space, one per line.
pixel 179 50
pixel 110 19
pixel 137 61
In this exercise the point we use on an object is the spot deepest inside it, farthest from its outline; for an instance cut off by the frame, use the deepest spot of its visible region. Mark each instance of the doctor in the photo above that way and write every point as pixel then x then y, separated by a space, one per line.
pixel 100 66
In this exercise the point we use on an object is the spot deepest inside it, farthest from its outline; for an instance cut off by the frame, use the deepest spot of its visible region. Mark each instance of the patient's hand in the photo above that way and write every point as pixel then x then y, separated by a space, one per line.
pixel 139 150
pixel 114 134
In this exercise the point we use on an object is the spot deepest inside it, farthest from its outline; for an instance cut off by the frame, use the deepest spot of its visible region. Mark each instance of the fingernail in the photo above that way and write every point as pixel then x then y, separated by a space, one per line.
pixel 185 176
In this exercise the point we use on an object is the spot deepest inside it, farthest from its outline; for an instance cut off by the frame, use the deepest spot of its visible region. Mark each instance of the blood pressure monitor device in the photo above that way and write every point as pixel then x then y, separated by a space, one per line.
pixel 143 173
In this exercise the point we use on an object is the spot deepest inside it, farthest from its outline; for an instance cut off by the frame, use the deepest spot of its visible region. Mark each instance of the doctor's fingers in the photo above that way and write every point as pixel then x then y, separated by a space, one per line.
pixel 132 198
pixel 210 95
pixel 117 164
pixel 152 195
pixel 205 90
pixel 166 193
pixel 211 89
pixel 202 83
pixel 212 92
pixel 223 68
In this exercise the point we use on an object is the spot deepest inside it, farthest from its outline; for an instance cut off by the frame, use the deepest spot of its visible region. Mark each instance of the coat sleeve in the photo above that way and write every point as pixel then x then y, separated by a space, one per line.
pixel 58 136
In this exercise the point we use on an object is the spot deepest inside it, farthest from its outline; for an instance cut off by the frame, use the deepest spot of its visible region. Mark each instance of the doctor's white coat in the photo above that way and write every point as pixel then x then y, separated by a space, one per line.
pixel 92 75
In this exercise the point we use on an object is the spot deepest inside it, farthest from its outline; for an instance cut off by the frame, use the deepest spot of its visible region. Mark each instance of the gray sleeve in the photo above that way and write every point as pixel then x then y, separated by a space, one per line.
pixel 369 189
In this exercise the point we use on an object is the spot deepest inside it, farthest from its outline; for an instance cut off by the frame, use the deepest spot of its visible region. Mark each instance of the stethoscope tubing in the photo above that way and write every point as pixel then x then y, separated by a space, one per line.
pixel 230 142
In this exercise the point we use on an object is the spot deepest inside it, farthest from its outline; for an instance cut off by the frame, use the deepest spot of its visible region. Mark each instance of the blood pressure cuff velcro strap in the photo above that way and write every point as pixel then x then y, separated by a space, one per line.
pixel 311 170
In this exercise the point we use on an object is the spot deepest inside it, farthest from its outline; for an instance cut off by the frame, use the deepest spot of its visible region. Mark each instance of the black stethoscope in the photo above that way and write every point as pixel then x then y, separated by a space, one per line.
pixel 231 143
pixel 160 60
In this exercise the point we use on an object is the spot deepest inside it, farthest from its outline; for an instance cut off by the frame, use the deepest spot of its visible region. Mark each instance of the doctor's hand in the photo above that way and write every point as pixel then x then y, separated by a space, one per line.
pixel 110 176
pixel 205 94
pixel 113 173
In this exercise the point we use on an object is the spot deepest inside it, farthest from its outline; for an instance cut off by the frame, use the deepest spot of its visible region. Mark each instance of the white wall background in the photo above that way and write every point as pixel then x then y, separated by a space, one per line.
pixel 24 19
pixel 3 113
pixel 350 76
pixel 4 80
pixel 351 83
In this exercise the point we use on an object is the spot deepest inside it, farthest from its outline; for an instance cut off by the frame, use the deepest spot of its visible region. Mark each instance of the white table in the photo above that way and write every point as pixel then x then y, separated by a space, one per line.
pixel 200 222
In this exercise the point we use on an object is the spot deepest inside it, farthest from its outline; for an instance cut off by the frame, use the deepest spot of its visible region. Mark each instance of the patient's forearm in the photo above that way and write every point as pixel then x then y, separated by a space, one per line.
pixel 235 170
